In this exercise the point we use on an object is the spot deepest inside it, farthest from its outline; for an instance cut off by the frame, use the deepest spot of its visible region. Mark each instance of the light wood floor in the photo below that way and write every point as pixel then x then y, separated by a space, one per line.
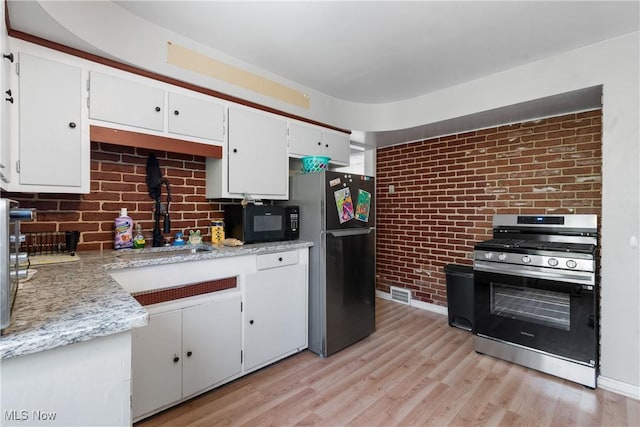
pixel 414 370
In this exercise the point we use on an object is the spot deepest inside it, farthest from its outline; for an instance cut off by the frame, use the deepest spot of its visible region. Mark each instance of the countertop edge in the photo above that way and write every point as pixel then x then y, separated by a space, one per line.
pixel 34 330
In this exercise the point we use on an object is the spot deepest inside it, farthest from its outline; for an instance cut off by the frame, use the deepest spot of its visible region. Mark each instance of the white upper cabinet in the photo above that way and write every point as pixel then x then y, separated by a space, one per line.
pixel 195 117
pixel 257 154
pixel 309 140
pixel 256 161
pixel 336 146
pixel 305 140
pixel 126 102
pixel 7 103
pixel 155 109
pixel 50 143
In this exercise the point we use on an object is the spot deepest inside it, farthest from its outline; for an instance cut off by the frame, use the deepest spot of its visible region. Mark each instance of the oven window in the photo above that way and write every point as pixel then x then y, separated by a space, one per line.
pixel 540 306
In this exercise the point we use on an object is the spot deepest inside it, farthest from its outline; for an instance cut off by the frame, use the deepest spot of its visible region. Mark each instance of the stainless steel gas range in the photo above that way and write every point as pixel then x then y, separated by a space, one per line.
pixel 536 292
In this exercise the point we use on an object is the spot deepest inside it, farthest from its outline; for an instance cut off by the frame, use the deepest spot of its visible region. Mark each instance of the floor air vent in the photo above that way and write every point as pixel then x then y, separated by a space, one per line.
pixel 400 295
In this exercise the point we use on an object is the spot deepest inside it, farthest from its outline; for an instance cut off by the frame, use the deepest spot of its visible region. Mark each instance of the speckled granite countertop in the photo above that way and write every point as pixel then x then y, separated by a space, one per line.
pixel 78 301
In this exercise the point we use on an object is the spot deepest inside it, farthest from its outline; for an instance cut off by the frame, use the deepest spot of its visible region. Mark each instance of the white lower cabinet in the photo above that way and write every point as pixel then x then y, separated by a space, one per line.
pixel 194 344
pixel 157 379
pixel 184 351
pixel 275 314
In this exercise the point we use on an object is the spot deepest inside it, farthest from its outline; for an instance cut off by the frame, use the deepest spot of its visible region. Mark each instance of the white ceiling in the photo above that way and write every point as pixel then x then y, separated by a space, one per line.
pixel 378 52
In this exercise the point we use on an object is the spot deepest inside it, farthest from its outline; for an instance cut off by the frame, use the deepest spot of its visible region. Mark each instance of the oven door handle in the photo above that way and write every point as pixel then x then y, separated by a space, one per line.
pixel 579 277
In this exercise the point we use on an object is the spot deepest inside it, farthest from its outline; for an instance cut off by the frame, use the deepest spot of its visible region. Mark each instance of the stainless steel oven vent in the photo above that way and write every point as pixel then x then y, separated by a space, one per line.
pixel 401 295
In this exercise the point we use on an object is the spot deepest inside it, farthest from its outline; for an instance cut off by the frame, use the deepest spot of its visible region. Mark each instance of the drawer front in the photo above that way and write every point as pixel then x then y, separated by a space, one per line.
pixel 277 259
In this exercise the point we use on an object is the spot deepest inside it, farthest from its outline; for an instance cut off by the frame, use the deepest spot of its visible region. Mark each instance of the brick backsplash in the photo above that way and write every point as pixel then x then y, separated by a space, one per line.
pixel 118 180
pixel 447 189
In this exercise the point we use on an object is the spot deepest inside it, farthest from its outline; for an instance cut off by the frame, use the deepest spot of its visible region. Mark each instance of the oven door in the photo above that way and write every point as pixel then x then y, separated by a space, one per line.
pixel 531 308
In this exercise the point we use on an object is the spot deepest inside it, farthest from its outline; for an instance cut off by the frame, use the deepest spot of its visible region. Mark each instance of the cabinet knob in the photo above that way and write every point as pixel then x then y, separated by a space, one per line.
pixel 280 259
pixel 9 57
pixel 326 145
pixel 176 359
pixel 176 112
pixel 10 99
pixel 8 92
pixel 319 143
pixel 235 150
pixel 251 322
pixel 72 125
pixel 158 109
pixel 189 353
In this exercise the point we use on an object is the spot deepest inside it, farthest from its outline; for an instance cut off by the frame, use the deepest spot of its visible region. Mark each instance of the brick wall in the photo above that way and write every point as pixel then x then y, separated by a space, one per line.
pixel 448 189
pixel 118 180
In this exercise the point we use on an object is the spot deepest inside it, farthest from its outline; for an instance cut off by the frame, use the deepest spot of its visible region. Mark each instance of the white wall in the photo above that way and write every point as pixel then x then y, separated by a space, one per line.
pixel 612 64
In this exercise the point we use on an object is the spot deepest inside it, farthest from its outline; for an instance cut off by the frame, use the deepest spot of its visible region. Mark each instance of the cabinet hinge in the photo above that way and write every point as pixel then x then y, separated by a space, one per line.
pixel 241 307
pixel 88 102
pixel 17 68
pixel 241 355
pixel 17 166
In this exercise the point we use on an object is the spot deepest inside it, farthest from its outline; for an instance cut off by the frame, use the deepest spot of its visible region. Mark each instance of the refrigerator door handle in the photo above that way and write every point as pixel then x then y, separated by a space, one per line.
pixel 351 232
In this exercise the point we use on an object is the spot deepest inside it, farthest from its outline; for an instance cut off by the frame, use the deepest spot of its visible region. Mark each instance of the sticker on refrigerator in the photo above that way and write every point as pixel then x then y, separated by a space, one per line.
pixel 363 205
pixel 344 204
pixel 334 182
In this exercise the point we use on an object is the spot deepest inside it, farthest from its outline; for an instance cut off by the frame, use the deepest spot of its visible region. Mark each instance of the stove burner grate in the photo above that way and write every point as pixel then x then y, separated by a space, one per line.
pixel 584 248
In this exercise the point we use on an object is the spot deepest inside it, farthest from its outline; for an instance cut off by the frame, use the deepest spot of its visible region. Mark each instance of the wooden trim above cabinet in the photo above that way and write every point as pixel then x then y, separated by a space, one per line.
pixel 153 142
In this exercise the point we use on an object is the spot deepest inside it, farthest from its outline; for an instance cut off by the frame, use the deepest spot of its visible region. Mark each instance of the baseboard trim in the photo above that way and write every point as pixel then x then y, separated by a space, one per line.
pixel 619 387
pixel 434 308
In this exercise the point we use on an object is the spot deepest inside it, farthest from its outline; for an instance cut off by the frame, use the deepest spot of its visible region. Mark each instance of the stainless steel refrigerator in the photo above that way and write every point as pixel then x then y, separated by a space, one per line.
pixel 337 213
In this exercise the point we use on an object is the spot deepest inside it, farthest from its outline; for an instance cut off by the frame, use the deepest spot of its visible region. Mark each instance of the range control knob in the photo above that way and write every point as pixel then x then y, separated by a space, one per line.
pixel 552 262
pixel 488 255
pixel 502 257
pixel 526 259
pixel 572 264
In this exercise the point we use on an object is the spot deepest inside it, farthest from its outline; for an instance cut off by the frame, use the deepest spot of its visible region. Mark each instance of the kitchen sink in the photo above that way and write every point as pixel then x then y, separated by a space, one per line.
pixel 163 251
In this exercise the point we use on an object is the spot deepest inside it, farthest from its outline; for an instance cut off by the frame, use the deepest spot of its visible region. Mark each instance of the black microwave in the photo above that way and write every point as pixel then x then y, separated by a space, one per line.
pixel 261 223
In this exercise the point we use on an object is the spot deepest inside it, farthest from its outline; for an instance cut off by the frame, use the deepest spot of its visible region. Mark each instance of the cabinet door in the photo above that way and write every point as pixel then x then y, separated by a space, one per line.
pixel 126 102
pixel 195 117
pixel 50 124
pixel 275 319
pixel 5 82
pixel 257 155
pixel 305 140
pixel 155 373
pixel 211 343
pixel 336 146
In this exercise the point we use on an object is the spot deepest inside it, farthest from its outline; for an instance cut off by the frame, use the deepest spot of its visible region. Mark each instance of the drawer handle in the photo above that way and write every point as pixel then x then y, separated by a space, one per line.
pixel 280 259
pixel 158 109
pixel 176 112
pixel 176 359
pixel 72 125
pixel 189 353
